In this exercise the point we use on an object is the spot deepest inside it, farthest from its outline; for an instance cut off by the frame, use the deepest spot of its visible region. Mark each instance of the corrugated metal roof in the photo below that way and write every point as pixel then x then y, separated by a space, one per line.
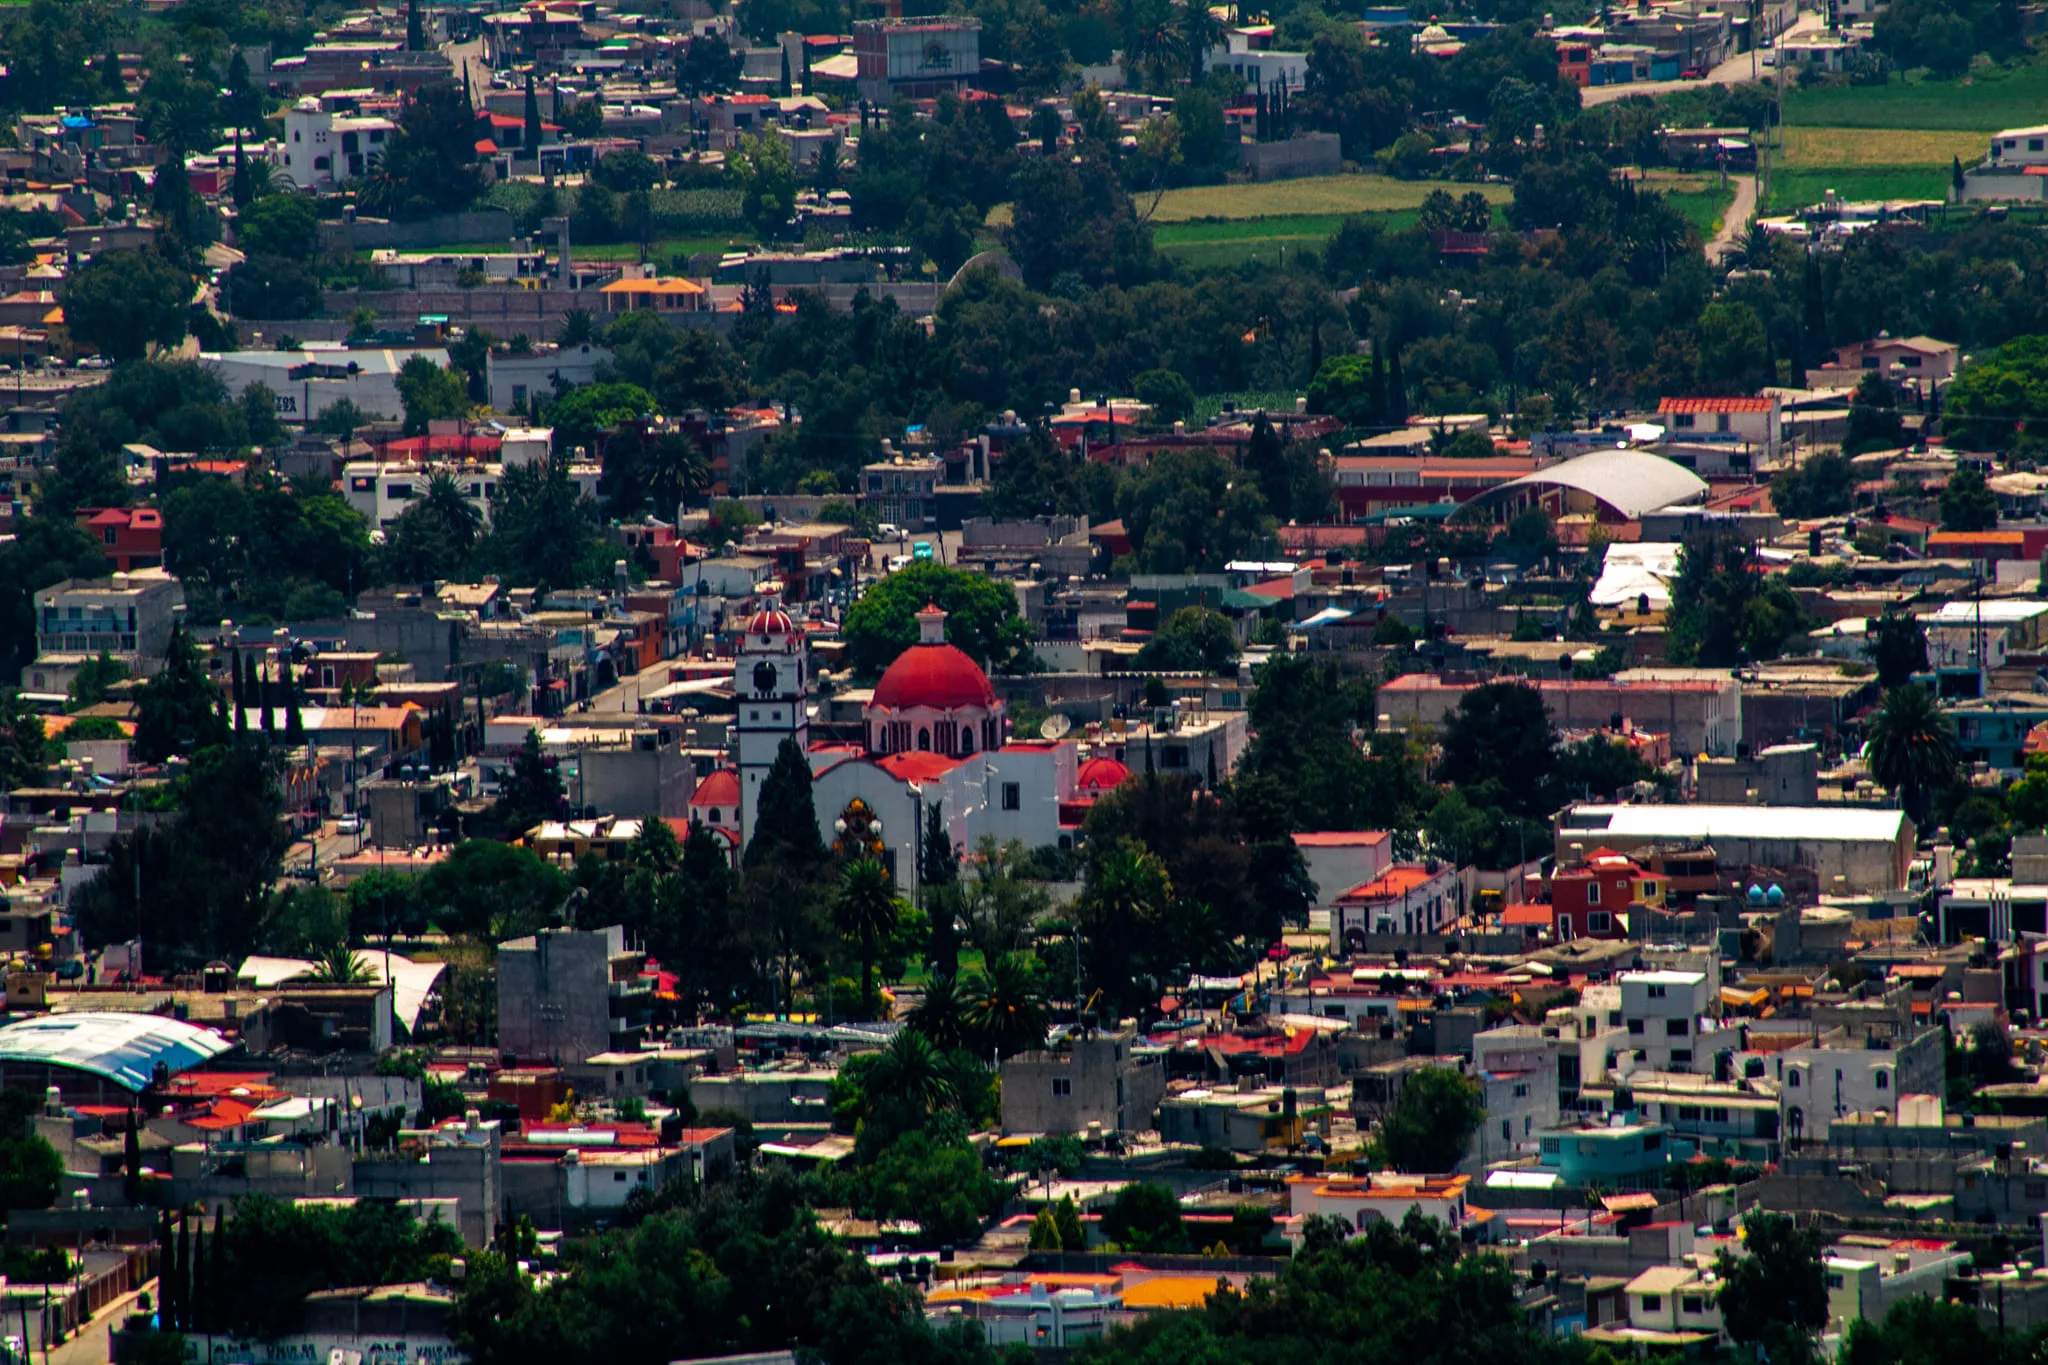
pixel 124 1048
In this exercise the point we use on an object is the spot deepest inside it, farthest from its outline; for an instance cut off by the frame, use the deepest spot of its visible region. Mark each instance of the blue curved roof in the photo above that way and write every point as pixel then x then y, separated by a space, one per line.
pixel 123 1048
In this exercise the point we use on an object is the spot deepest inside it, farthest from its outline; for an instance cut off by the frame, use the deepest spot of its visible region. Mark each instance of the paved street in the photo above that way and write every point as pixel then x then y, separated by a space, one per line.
pixel 1747 66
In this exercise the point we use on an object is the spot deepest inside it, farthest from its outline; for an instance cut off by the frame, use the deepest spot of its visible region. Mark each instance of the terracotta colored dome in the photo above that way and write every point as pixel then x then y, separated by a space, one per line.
pixel 1102 774
pixel 938 676
pixel 722 788
pixel 770 623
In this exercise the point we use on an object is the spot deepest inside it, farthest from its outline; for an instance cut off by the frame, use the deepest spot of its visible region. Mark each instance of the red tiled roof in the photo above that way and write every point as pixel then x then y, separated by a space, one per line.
pixel 1521 916
pixel 1341 838
pixel 917 767
pixel 1715 405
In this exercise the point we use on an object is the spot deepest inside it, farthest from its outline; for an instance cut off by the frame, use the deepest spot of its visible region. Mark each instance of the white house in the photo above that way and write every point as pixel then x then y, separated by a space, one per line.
pixel 322 148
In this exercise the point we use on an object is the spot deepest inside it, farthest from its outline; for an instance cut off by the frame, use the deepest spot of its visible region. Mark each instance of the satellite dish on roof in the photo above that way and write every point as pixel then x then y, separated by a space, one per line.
pixel 1055 726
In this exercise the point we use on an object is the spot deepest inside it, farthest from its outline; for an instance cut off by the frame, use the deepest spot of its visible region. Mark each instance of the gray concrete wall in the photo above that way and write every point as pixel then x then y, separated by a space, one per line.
pixel 553 995
pixel 469 227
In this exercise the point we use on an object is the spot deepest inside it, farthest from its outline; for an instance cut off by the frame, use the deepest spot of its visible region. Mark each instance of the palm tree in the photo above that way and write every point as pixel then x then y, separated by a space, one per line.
pixel 1006 1011
pixel 675 470
pixel 941 1016
pixel 256 172
pixel 577 327
pixel 342 966
pixel 866 910
pixel 450 507
pixel 1200 33
pixel 1912 747
pixel 912 1070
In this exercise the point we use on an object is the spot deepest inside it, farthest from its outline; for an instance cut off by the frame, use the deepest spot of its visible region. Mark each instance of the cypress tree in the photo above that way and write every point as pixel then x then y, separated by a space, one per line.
pixel 1378 393
pixel 241 185
pixel 294 723
pixel 533 133
pixel 415 31
pixel 223 1287
pixel 782 86
pixel 201 1315
pixel 1814 323
pixel 264 700
pixel 167 1274
pixel 186 1322
pixel 1397 392
pixel 131 1160
pixel 1797 373
pixel 807 68
pixel 236 696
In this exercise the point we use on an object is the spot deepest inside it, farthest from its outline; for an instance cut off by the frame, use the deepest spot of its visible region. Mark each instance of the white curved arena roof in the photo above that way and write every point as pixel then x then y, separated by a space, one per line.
pixel 1632 482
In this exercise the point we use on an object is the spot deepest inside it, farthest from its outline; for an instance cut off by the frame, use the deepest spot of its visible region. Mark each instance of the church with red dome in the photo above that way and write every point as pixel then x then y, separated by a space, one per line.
pixel 935 736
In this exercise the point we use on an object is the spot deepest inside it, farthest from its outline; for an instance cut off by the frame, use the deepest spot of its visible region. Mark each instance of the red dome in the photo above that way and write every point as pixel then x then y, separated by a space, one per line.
pixel 770 623
pixel 1102 774
pixel 722 788
pixel 938 676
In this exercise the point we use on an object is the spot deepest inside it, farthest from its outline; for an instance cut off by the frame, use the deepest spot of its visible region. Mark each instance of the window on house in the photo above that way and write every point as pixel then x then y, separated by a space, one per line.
pixel 1721 422
pixel 1522 1091
pixel 1675 1028
pixel 1062 1086
pixel 1653 1303
pixel 1599 922
pixel 1635 1026
pixel 1656 992
pixel 619 1176
pixel 1792 1081
pixel 1884 1080
pixel 1691 1304
pixel 1681 1056
pixel 1013 796
pixel 1593 893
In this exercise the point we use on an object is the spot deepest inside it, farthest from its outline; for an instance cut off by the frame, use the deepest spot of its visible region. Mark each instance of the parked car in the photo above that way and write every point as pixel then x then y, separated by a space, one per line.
pixel 349 824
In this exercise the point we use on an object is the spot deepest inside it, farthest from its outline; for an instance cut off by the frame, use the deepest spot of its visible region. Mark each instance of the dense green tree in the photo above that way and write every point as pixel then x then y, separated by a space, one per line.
pixel 1194 639
pixel 981 617
pixel 1432 1122
pixel 1896 644
pixel 1967 504
pixel 178 710
pixel 785 829
pixel 1145 1217
pixel 1188 512
pixel 123 302
pixel 1999 402
pixel 430 394
pixel 1821 485
pixel 1723 612
pixel 1499 742
pixel 207 876
pixel 1774 1292
pixel 485 889
pixel 533 791
pixel 430 164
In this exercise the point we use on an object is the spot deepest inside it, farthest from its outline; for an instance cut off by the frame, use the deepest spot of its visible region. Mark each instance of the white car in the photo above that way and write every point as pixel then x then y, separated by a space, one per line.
pixel 349 824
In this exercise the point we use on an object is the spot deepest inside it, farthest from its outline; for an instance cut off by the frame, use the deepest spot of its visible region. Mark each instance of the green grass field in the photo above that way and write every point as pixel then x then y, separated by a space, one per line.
pixel 1891 148
pixel 1982 102
pixel 1220 244
pixel 1797 189
pixel 1702 208
pixel 1318 197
